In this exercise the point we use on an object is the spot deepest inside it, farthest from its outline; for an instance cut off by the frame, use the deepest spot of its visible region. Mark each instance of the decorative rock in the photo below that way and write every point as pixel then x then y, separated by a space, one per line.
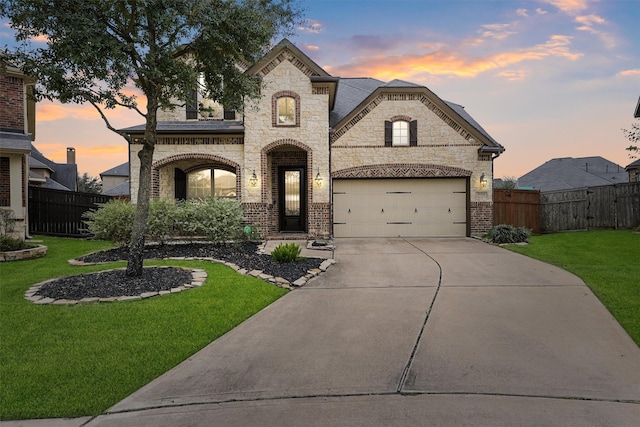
pixel 300 282
pixel 92 299
pixel 44 301
pixel 64 302
pixel 255 273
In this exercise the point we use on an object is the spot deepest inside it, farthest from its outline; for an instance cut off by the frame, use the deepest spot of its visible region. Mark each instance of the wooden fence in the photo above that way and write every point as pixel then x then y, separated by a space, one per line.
pixel 605 207
pixel 612 206
pixel 520 208
pixel 58 212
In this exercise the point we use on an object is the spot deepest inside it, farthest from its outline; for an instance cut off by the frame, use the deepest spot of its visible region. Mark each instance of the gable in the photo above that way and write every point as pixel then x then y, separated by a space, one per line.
pixel 346 115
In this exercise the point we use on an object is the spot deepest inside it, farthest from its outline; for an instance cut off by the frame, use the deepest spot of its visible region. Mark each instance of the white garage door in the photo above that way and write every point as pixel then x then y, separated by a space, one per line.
pixel 399 207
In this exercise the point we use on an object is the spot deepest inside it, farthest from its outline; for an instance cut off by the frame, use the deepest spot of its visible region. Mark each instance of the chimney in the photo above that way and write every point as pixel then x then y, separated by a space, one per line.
pixel 71 156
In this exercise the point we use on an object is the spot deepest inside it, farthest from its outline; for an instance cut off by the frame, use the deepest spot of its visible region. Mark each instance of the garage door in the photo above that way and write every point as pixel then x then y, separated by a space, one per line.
pixel 399 207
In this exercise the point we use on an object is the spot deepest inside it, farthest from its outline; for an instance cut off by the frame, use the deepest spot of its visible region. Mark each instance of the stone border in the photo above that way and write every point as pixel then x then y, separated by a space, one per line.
pixel 198 277
pixel 278 281
pixel 37 251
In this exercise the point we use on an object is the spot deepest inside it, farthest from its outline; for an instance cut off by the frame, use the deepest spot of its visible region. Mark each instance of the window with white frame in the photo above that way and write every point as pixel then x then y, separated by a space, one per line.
pixel 400 133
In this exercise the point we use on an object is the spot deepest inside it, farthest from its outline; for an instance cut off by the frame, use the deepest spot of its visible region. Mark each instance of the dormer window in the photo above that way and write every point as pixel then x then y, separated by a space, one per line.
pixel 286 111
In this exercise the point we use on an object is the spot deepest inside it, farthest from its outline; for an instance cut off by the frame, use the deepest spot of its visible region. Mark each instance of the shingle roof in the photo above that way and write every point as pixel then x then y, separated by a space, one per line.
pixel 65 174
pixel 120 170
pixel 568 172
pixel 199 126
pixel 121 189
pixel 633 165
pixel 350 93
pixel 37 164
pixel 15 141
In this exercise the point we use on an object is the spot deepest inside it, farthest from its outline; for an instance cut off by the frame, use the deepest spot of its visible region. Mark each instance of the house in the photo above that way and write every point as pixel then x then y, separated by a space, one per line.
pixel 329 156
pixel 49 174
pixel 17 130
pixel 567 173
pixel 633 169
pixel 115 181
pixel 636 113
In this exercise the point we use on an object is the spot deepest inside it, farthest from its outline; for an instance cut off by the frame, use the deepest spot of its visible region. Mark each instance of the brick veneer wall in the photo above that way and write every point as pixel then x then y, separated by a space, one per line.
pixel 481 217
pixel 11 103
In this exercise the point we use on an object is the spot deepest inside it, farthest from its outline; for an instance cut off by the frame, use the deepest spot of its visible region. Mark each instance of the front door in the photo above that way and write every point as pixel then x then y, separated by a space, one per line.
pixel 291 186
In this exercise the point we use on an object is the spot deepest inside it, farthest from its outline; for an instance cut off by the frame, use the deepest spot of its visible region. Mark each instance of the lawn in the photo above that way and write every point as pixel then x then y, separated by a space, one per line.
pixel 607 261
pixel 69 361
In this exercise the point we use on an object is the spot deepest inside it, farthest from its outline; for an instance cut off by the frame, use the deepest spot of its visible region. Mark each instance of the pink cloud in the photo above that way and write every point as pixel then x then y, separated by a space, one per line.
pixel 453 62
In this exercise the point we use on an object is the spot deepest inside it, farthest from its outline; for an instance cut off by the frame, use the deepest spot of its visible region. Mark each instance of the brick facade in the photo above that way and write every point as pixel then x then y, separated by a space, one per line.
pixel 12 114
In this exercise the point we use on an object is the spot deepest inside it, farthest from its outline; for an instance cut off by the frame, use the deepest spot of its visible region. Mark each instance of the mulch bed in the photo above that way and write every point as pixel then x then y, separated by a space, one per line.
pixel 154 279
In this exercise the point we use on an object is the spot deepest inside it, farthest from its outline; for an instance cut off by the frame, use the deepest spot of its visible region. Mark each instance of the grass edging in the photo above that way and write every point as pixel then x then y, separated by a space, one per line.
pixel 606 260
pixel 70 361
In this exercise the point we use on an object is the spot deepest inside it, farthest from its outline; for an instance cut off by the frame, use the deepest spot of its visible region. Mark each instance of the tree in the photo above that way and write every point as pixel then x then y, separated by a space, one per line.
pixel 88 184
pixel 508 183
pixel 633 135
pixel 95 48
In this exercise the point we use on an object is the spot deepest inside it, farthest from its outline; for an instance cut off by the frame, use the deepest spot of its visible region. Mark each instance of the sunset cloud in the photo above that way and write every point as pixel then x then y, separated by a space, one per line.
pixel 311 26
pixel 629 73
pixel 454 63
pixel 522 12
pixel 496 31
pixel 569 6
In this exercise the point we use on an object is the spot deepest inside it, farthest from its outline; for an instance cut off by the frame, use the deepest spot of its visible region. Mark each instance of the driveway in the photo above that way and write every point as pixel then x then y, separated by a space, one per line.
pixel 410 332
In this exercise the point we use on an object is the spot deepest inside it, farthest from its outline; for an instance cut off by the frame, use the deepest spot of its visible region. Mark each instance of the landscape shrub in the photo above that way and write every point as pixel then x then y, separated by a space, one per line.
pixel 7 227
pixel 218 220
pixel 286 252
pixel 505 233
pixel 164 220
pixel 112 221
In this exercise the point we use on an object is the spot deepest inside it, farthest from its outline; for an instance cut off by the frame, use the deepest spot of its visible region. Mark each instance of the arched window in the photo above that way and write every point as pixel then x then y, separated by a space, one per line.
pixel 286 111
pixel 211 182
pixel 400 133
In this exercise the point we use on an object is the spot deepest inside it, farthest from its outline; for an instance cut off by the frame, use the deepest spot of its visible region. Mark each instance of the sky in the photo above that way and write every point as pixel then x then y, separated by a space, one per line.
pixel 545 78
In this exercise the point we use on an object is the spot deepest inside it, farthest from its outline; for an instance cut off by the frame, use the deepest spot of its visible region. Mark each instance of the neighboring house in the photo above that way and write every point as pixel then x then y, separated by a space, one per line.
pixel 115 181
pixel 324 155
pixel 566 173
pixel 49 174
pixel 633 169
pixel 17 130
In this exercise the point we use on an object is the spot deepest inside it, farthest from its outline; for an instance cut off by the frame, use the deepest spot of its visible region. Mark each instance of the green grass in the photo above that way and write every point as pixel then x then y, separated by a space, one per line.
pixel 69 361
pixel 607 261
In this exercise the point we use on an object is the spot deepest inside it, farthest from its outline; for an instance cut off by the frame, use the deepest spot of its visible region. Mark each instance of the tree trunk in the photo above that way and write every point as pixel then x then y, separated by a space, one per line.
pixel 136 246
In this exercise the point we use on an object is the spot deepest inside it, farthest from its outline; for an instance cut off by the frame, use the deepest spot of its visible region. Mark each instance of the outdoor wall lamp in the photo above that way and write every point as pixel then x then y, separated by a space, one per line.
pixel 483 181
pixel 318 179
pixel 253 181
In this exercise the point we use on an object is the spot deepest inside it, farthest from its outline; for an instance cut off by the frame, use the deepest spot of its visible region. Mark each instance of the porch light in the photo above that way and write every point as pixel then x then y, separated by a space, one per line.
pixel 253 181
pixel 318 179
pixel 483 181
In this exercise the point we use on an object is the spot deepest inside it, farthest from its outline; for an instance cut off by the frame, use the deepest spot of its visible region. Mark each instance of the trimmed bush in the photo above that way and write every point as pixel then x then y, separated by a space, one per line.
pixel 218 220
pixel 286 252
pixel 112 221
pixel 164 220
pixel 505 233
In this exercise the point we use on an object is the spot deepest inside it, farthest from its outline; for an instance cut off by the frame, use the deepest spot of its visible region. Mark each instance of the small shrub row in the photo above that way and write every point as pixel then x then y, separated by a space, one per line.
pixel 215 219
pixel 505 233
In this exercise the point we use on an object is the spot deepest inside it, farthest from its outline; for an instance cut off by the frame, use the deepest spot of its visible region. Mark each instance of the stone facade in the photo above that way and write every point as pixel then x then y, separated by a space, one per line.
pixel 325 148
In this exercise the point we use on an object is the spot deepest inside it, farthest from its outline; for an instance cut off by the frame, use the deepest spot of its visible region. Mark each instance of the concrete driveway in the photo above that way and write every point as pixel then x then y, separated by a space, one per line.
pixel 410 332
